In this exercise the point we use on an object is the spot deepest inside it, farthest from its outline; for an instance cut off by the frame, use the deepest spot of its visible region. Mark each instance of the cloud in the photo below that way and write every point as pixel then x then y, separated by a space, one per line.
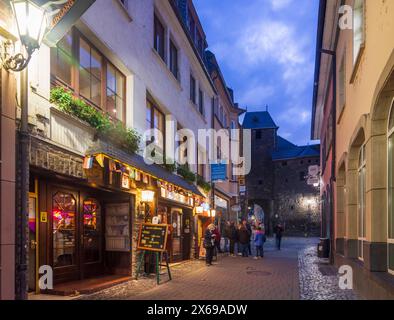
pixel 295 116
pixel 256 94
pixel 279 4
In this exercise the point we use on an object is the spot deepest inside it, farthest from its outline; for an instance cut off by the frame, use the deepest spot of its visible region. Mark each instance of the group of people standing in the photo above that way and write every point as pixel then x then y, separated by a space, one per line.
pixel 242 236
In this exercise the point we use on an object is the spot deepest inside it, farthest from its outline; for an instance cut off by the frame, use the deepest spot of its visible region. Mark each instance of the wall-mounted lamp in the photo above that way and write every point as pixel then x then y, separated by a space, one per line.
pixel 32 24
pixel 213 213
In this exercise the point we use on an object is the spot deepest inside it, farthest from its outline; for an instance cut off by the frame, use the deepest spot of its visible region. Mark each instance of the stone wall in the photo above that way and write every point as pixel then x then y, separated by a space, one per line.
pixel 297 203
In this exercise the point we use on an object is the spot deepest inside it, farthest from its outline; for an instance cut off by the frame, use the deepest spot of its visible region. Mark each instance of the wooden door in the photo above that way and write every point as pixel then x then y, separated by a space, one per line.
pixel 64 231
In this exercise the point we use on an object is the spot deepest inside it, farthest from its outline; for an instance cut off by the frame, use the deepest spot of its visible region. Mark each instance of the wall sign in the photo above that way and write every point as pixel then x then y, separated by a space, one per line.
pixel 63 14
pixel 153 237
pixel 218 172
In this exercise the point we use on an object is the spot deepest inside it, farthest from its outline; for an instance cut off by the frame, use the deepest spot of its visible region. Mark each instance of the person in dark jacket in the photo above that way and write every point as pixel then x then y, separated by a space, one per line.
pixel 227 236
pixel 278 235
pixel 249 227
pixel 218 238
pixel 244 239
pixel 209 244
pixel 233 236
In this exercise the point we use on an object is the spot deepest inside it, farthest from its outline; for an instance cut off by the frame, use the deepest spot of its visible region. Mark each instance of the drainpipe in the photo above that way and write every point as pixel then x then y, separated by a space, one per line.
pixel 334 134
pixel 23 212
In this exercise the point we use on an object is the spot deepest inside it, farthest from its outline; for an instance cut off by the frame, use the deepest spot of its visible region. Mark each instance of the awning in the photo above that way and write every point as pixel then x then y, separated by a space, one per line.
pixel 137 161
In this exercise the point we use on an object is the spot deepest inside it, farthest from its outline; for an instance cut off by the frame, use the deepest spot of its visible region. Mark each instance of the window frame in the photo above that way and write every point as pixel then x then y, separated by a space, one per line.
pixel 156 20
pixel 201 106
pixel 359 7
pixel 342 85
pixel 153 108
pixel 193 89
pixel 390 135
pixel 74 85
pixel 175 72
pixel 361 207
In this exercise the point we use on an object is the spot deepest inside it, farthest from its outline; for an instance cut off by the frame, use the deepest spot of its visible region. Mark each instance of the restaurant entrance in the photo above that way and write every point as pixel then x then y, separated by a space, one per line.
pixel 77 234
pixel 83 232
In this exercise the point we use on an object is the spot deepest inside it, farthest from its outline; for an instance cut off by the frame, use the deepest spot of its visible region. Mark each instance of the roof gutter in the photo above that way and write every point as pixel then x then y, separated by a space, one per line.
pixel 176 11
pixel 319 47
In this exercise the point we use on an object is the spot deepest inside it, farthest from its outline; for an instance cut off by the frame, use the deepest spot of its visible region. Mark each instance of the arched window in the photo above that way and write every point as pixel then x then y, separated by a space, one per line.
pixel 361 202
pixel 391 190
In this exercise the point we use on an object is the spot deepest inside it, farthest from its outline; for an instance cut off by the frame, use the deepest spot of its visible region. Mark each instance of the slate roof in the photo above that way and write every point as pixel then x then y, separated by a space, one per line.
pixel 138 162
pixel 286 150
pixel 259 120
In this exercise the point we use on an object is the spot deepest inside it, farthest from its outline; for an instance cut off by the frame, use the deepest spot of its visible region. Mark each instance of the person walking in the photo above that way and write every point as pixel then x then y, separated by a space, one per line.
pixel 259 240
pixel 278 235
pixel 209 244
pixel 249 227
pixel 218 238
pixel 244 239
pixel 233 236
pixel 227 236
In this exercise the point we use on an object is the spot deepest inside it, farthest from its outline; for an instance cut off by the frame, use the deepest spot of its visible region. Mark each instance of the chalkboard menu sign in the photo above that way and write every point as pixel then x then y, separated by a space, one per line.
pixel 153 237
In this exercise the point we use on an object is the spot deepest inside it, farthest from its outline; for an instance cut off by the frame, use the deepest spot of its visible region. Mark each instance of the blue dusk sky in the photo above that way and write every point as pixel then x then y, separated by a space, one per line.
pixel 266 50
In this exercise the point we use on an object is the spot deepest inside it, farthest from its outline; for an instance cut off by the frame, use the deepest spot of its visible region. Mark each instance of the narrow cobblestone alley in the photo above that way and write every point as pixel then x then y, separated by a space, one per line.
pixel 291 274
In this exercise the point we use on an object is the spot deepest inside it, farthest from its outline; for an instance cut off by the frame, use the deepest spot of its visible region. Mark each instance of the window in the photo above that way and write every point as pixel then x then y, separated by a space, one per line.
pixel 115 92
pixel 200 44
pixel 159 37
pixel 155 120
pixel 361 202
pixel 173 59
pixel 191 24
pixel 342 85
pixel 221 114
pixel 201 102
pixel 90 72
pixel 64 217
pixel 358 28
pixel 62 59
pixel 284 164
pixel 192 89
pixel 391 191
pixel 259 134
pixel 77 64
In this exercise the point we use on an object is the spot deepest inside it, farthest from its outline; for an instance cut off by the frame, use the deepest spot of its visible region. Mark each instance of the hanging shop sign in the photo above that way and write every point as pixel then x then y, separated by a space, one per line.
pixel 62 14
pixel 153 237
pixel 170 194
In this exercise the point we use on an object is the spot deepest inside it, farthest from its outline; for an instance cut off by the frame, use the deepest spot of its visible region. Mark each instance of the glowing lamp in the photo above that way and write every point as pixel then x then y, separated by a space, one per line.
pixel 147 196
pixel 199 210
pixel 213 213
pixel 31 22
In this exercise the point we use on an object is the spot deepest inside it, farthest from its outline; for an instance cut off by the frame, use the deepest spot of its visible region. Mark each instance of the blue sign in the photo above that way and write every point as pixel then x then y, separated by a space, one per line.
pixel 218 172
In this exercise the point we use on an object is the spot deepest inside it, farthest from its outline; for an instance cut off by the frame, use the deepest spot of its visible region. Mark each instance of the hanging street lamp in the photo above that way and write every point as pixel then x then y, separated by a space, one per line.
pixel 31 24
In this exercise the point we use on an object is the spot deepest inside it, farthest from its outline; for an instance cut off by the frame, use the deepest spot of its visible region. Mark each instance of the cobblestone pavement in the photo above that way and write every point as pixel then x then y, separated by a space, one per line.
pixel 291 274
pixel 319 280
